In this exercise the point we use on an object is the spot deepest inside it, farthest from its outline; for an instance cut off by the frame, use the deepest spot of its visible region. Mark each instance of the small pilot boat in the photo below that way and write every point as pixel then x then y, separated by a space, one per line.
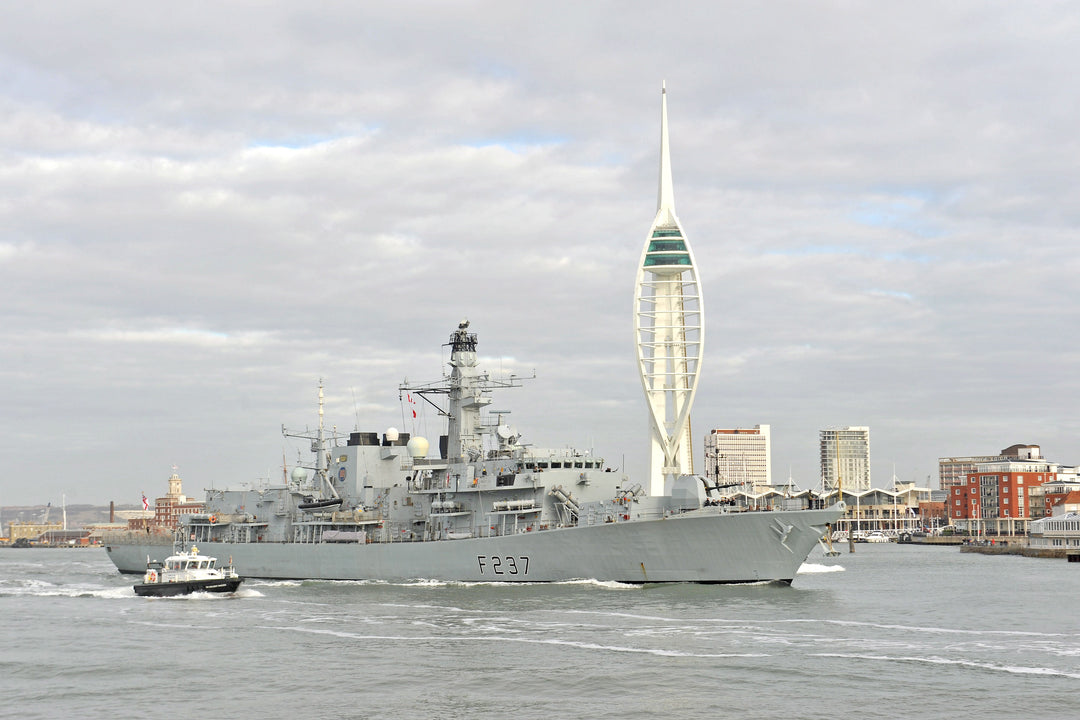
pixel 185 573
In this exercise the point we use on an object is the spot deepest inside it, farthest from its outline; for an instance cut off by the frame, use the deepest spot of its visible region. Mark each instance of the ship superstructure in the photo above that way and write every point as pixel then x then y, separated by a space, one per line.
pixel 669 330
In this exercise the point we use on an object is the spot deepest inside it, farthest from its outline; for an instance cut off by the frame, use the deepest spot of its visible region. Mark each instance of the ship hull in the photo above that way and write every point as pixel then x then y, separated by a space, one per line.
pixel 186 587
pixel 701 546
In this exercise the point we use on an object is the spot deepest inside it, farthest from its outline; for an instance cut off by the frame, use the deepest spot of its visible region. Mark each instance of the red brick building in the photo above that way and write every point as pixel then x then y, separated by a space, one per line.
pixel 996 498
pixel 168 509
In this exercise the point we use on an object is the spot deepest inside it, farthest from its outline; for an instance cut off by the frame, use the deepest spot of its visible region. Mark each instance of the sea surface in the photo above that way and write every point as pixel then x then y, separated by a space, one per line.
pixel 891 631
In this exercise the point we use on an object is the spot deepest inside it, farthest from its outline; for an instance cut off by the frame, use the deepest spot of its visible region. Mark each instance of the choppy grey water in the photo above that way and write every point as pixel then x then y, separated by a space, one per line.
pixel 888 632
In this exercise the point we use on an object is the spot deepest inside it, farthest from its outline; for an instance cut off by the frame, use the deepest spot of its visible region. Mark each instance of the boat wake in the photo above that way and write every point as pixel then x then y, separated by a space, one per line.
pixel 42 588
pixel 574 644
pixel 813 568
pixel 934 660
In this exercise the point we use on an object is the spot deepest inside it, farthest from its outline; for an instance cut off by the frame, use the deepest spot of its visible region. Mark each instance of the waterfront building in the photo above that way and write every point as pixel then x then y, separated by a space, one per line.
pixel 169 508
pixel 953 471
pixel 739 455
pixel 1060 531
pixel 1055 533
pixel 933 513
pixel 904 509
pixel 767 498
pixel 997 497
pixel 32 531
pixel 70 538
pixel 891 511
pixel 1037 505
pixel 1070 504
pixel 845 458
pixel 669 330
pixel 1055 492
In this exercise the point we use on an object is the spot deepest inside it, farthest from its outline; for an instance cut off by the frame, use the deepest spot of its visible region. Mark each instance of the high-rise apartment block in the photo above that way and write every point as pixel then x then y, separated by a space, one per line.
pixel 845 458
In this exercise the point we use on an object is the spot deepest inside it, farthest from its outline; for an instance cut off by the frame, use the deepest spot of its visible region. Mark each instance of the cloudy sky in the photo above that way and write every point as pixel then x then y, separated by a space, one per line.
pixel 205 208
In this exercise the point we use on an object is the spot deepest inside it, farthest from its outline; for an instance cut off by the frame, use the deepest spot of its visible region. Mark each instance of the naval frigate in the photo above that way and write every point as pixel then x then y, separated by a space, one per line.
pixel 485 508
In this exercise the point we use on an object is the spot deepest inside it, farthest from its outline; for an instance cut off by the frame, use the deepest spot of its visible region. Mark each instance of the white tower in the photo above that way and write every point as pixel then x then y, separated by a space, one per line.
pixel 669 330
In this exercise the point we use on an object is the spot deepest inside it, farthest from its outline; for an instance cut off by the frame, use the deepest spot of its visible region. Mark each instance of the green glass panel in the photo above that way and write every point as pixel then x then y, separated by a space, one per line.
pixel 652 260
pixel 667 245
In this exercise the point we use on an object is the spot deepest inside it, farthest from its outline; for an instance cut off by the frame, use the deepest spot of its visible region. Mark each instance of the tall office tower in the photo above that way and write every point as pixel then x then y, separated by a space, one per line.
pixel 739 457
pixel 669 330
pixel 845 458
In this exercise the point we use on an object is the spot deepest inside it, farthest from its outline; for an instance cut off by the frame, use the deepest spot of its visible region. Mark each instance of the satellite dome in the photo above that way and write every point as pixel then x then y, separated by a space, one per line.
pixel 391 434
pixel 299 475
pixel 418 447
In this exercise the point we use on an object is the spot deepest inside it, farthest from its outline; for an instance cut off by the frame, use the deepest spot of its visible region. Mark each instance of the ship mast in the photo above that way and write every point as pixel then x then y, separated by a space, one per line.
pixel 319 446
pixel 464 442
pixel 468 391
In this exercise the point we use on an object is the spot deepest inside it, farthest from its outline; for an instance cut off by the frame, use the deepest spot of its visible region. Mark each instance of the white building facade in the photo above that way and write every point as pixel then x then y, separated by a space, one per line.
pixel 845 458
pixel 740 457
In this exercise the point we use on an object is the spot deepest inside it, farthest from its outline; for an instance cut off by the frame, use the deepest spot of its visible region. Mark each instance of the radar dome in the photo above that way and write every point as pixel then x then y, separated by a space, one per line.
pixel 299 475
pixel 418 447
pixel 391 434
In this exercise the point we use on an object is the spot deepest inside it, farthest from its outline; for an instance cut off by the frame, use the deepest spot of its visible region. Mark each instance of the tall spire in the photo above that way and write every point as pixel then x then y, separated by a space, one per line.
pixel 665 198
pixel 669 330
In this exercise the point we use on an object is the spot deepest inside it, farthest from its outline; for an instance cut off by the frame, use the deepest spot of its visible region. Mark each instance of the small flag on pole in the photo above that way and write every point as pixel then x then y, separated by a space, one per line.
pixel 145 503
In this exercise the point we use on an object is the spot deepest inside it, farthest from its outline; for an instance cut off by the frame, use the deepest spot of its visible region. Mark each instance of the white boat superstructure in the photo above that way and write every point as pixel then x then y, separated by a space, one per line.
pixel 187 572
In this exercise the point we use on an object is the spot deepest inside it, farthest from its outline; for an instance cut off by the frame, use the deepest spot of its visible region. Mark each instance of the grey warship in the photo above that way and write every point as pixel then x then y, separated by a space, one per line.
pixel 487 508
